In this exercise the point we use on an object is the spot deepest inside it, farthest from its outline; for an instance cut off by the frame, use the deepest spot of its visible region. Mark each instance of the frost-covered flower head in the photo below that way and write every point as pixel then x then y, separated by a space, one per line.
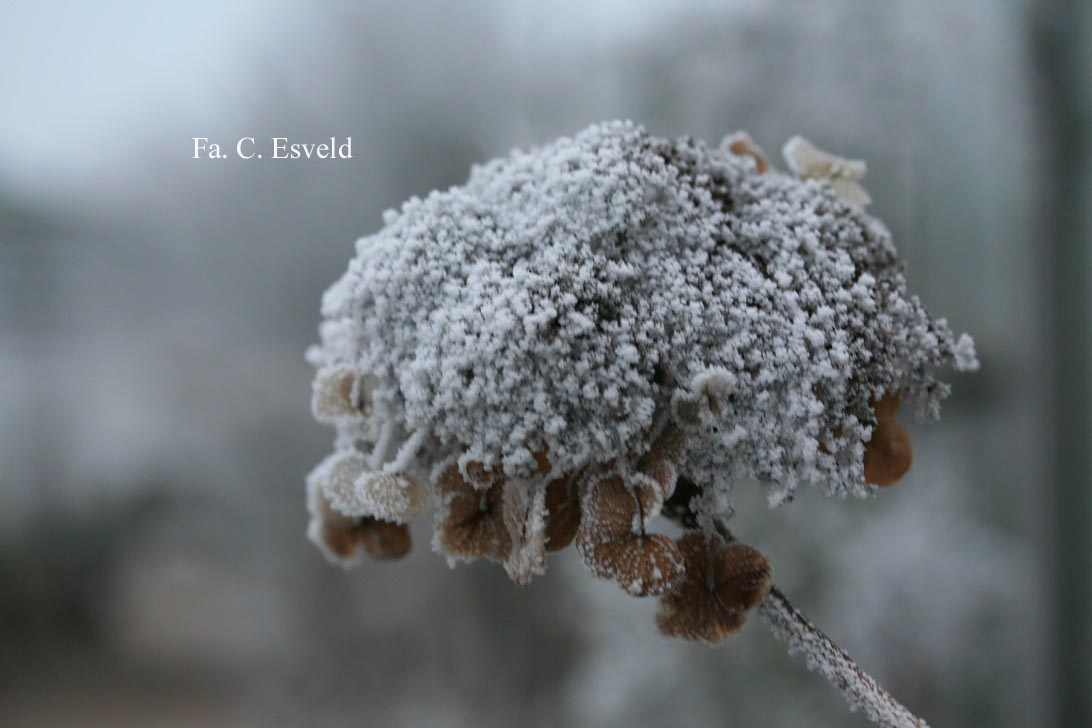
pixel 612 325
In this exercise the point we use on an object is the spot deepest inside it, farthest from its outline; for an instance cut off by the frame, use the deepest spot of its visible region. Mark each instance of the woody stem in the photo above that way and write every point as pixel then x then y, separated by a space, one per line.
pixel 823 656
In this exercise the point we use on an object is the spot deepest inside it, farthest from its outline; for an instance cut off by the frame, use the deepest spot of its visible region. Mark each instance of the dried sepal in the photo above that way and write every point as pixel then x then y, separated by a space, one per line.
pixel 721 583
pixel 808 161
pixel 740 144
pixel 613 544
pixel 395 497
pixel 888 455
pixel 663 460
pixel 355 490
pixel 384 540
pixel 347 539
pixel 562 513
pixel 470 520
pixel 524 515
pixel 890 452
pixel 339 392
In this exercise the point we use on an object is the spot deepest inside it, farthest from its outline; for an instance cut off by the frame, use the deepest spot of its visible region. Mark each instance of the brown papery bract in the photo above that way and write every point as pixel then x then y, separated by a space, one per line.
pixel 722 582
pixel 890 452
pixel 613 543
pixel 471 524
pixel 382 540
pixel 562 513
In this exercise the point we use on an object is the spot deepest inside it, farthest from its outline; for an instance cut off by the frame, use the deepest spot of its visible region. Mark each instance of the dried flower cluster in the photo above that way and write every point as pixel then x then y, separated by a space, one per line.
pixel 611 327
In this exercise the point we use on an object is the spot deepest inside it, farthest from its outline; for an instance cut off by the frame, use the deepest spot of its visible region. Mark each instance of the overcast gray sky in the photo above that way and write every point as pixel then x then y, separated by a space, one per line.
pixel 78 78
pixel 78 81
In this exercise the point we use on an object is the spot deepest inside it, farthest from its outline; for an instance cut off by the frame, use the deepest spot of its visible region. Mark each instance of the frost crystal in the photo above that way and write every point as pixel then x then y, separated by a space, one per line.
pixel 561 298
pixel 610 327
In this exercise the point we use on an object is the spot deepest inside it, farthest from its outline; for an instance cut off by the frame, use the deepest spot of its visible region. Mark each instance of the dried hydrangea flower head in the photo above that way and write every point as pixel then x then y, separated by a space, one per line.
pixel 582 333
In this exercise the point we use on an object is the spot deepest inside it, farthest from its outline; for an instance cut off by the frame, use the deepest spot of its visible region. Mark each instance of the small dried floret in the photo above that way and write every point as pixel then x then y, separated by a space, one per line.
pixel 388 496
pixel 808 161
pixel 346 539
pixel 890 452
pixel 722 581
pixel 887 406
pixel 740 144
pixel 384 540
pixel 662 462
pixel 614 545
pixel 353 489
pixel 470 519
pixel 888 455
pixel 339 392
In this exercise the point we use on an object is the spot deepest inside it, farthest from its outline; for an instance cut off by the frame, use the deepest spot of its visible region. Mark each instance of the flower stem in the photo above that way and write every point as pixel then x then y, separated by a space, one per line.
pixel 823 656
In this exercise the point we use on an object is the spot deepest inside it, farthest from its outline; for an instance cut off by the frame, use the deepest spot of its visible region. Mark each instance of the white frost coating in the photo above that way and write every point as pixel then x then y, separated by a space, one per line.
pixel 352 489
pixel 337 473
pixel 829 660
pixel 525 519
pixel 965 358
pixel 339 392
pixel 386 496
pixel 324 518
pixel 563 297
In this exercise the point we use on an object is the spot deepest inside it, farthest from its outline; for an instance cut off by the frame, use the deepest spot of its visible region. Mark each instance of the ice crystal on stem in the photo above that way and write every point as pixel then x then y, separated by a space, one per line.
pixel 613 326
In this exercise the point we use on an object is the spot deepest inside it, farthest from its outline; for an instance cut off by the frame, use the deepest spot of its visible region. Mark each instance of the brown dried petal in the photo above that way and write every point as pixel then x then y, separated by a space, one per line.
pixel 610 510
pixel 613 545
pixel 661 462
pixel 722 582
pixel 384 540
pixel 887 406
pixel 562 513
pixel 472 521
pixel 644 565
pixel 889 454
pixel 340 537
pixel 339 392
pixel 344 537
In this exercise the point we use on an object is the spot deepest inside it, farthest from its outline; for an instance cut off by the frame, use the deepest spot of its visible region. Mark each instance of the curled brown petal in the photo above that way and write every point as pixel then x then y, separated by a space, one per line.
pixel 338 392
pixel 613 544
pixel 888 455
pixel 721 583
pixel 562 513
pixel 887 406
pixel 741 145
pixel 382 540
pixel 471 523
pixel 661 462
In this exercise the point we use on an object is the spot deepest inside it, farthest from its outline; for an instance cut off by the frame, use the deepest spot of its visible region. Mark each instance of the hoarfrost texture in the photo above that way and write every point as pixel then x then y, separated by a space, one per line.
pixel 573 299
pixel 615 326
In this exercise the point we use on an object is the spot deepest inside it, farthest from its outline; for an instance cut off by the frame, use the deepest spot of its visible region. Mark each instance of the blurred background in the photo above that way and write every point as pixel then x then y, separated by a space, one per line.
pixel 154 401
